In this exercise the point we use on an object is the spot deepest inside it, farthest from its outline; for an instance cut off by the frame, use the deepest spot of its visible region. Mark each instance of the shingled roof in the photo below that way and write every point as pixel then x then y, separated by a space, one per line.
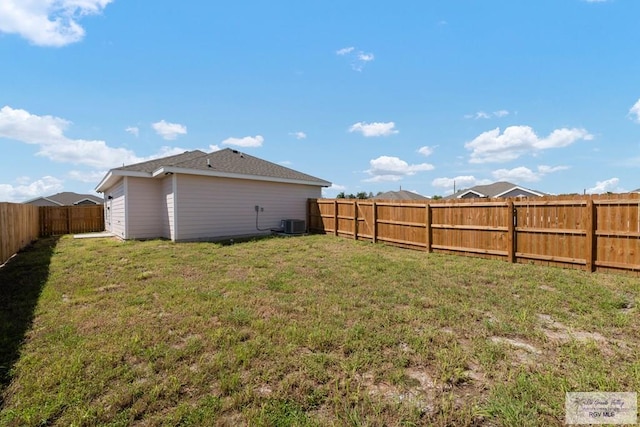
pixel 66 198
pixel 496 189
pixel 400 195
pixel 152 165
pixel 223 163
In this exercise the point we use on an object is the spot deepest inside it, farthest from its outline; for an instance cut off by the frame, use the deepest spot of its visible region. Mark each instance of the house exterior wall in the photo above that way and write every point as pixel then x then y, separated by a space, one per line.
pixel 115 209
pixel 209 207
pixel 167 207
pixel 144 208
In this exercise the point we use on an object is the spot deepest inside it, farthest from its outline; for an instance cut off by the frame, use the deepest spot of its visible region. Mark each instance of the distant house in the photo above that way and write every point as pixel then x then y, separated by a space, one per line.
pixel 502 189
pixel 200 196
pixel 400 195
pixel 637 190
pixel 67 198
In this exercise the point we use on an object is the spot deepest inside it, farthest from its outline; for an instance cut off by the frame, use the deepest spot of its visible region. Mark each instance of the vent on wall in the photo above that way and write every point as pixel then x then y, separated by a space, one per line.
pixel 293 226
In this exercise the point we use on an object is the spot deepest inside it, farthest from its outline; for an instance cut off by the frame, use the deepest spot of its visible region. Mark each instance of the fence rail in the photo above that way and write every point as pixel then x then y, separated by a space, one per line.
pixel 594 233
pixel 18 227
pixel 57 220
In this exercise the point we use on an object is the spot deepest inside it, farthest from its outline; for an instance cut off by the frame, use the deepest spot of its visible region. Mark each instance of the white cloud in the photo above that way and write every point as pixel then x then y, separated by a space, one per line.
pixel 374 129
pixel 464 181
pixel 336 187
pixel 426 150
pixel 544 169
pixel 491 146
pixel 358 58
pixel 247 141
pixel 24 191
pixel 516 174
pixel 213 148
pixel 47 132
pixel 484 115
pixel 634 112
pixel 478 115
pixel 525 174
pixel 285 163
pixel 298 135
pixel 609 185
pixel 333 190
pixel 23 180
pixel 386 168
pixel 48 22
pixel 133 130
pixel 87 176
pixel 345 50
pixel 169 131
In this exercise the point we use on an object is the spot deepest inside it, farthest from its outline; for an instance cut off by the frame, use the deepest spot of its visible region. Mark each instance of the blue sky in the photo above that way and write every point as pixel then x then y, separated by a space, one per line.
pixel 371 96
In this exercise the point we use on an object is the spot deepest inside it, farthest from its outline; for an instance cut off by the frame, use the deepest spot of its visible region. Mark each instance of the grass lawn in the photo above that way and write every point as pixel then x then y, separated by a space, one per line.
pixel 314 330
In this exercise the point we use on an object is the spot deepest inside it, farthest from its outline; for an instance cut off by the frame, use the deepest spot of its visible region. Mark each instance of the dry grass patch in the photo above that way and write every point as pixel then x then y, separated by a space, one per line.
pixel 309 331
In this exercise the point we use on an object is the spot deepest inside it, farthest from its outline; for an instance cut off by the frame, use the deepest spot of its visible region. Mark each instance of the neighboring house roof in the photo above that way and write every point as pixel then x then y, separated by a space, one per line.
pixel 637 190
pixel 497 189
pixel 400 195
pixel 225 163
pixel 66 198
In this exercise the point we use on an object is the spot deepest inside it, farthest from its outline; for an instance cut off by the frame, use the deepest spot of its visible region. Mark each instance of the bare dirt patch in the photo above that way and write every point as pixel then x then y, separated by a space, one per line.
pixel 421 396
pixel 557 331
pixel 525 352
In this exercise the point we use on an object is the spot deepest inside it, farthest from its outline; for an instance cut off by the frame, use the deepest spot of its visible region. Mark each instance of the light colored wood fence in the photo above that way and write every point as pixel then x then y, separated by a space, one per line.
pixel 57 220
pixel 18 227
pixel 595 233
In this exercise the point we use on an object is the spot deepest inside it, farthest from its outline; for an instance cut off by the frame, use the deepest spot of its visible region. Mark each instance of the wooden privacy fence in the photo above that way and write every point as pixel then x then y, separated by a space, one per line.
pixel 21 224
pixel 56 220
pixel 18 228
pixel 586 232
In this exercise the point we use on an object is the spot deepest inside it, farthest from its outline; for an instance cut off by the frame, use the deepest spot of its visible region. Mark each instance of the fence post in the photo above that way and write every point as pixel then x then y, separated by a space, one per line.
pixel 68 212
pixel 335 217
pixel 355 220
pixel 375 223
pixel 428 224
pixel 511 233
pixel 591 226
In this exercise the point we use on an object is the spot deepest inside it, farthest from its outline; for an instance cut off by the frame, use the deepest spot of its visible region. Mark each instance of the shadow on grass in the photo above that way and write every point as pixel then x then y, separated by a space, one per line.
pixel 21 281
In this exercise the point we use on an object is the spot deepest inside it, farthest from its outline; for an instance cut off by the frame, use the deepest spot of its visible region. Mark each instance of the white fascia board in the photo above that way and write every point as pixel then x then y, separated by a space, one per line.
pixel 471 191
pixel 169 170
pixel 113 175
pixel 517 187
pixel 87 199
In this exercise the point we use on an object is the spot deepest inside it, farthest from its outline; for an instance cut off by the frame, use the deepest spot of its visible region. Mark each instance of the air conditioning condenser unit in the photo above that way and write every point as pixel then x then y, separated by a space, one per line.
pixel 294 226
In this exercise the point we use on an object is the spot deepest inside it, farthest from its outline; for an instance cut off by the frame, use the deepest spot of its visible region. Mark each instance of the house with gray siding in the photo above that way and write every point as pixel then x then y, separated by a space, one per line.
pixel 502 189
pixel 204 196
pixel 66 198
